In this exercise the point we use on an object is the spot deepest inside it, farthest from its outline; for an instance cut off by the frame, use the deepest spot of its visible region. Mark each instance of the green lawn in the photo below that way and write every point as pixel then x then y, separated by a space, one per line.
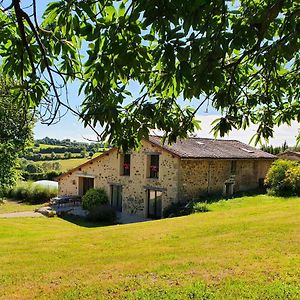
pixel 246 248
pixel 67 164
pixel 43 146
pixel 16 206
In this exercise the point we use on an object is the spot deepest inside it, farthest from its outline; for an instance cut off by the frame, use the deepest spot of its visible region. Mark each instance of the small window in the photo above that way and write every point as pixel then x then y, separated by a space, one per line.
pixel 125 164
pixel 154 166
pixel 233 167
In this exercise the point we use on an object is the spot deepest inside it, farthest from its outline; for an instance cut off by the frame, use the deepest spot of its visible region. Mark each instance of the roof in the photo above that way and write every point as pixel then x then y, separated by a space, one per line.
pixel 203 148
pixel 289 152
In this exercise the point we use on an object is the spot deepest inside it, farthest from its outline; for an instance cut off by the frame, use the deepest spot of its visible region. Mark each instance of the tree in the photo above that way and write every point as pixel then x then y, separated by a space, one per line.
pixel 83 153
pixel 56 166
pixel 15 135
pixel 34 168
pixel 242 57
pixel 67 155
pixel 91 154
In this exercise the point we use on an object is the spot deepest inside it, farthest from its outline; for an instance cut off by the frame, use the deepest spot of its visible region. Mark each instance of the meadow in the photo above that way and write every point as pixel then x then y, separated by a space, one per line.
pixel 244 248
pixel 68 164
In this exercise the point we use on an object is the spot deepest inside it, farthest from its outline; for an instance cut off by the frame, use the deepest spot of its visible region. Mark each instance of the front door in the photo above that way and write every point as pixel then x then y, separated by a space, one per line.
pixel 154 204
pixel 116 197
pixel 87 183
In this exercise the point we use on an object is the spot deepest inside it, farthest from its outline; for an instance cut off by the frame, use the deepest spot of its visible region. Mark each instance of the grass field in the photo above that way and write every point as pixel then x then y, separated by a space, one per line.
pixel 43 146
pixel 16 206
pixel 246 248
pixel 67 164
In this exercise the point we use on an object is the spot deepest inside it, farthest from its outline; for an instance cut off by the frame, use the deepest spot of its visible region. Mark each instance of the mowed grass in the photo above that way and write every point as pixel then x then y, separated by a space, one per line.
pixel 10 206
pixel 246 248
pixel 68 164
pixel 44 146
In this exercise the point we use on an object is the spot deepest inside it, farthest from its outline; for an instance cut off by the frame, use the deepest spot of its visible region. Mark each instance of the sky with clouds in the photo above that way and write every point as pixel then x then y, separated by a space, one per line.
pixel 70 127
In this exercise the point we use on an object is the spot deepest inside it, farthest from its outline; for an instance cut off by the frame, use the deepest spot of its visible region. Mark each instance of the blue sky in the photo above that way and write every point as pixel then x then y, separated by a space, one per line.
pixel 70 127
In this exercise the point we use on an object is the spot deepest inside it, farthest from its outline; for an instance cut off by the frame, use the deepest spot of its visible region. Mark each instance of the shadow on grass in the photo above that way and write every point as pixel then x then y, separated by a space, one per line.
pixel 83 222
pixel 209 199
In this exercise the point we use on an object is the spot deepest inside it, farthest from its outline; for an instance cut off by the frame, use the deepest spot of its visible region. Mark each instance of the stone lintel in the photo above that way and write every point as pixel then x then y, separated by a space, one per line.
pixel 115 183
pixel 155 188
pixel 85 175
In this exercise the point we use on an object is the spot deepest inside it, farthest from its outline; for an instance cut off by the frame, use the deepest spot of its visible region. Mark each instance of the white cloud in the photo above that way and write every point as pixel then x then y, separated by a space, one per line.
pixel 281 134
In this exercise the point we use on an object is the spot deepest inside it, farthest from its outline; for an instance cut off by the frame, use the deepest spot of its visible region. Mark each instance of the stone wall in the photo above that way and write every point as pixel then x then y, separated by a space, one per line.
pixel 107 169
pixel 202 177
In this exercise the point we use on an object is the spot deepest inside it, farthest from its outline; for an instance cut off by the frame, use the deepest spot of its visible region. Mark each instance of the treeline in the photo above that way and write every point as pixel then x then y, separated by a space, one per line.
pixel 55 156
pixel 37 171
pixel 69 144
pixel 65 149
pixel 279 149
pixel 62 150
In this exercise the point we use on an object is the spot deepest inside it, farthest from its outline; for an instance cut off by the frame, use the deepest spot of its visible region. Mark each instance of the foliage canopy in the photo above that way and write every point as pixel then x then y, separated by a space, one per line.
pixel 241 57
pixel 283 178
pixel 15 134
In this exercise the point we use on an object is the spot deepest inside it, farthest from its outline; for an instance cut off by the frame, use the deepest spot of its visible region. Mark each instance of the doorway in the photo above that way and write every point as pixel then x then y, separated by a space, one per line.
pixel 116 197
pixel 85 183
pixel 154 199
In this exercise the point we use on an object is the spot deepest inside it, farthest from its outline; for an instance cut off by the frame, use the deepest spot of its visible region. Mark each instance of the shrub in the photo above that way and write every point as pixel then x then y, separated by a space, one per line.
pixel 276 178
pixel 102 213
pixel 200 207
pixel 292 180
pixel 33 176
pixel 177 209
pixel 33 168
pixel 31 193
pixel 94 197
pixel 51 175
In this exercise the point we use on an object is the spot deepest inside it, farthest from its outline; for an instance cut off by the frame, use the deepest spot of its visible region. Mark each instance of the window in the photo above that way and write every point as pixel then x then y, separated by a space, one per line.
pixel 125 164
pixel 154 204
pixel 85 183
pixel 233 167
pixel 154 166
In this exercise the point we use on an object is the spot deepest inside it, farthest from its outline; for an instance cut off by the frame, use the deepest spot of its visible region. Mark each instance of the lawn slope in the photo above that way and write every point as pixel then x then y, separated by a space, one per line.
pixel 246 248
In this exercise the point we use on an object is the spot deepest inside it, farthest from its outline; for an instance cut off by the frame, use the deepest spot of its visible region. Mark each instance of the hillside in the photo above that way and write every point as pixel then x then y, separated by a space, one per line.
pixel 246 248
pixel 49 157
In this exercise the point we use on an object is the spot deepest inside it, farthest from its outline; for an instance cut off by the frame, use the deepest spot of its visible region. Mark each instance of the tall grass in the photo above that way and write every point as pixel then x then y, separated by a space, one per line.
pixel 30 192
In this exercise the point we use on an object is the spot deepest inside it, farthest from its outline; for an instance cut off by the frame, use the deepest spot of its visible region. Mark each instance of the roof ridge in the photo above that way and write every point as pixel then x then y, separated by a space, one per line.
pixel 196 137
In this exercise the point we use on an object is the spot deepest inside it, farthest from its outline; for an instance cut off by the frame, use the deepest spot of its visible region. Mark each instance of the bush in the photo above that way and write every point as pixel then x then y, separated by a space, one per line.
pixel 94 197
pixel 292 180
pixel 31 193
pixel 33 176
pixel 102 213
pixel 51 175
pixel 33 168
pixel 177 209
pixel 276 178
pixel 200 207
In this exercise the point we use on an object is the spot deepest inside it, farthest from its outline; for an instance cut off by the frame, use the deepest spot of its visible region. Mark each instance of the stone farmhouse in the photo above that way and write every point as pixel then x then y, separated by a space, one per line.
pixel 146 181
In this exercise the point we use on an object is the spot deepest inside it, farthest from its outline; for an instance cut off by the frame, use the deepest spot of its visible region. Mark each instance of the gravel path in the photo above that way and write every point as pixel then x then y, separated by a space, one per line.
pixel 23 214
